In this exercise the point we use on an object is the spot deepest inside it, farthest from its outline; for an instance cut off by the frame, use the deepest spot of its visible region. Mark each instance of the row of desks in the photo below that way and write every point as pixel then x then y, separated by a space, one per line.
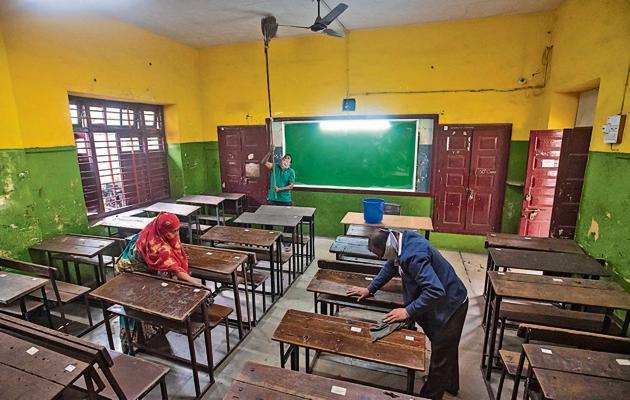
pixel 566 271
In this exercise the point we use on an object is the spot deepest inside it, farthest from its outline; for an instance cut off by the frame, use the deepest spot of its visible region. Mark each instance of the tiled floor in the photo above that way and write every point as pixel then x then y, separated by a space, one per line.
pixel 258 347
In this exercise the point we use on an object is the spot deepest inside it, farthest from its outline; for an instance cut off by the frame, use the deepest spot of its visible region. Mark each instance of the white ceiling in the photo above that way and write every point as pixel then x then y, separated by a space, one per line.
pixel 202 23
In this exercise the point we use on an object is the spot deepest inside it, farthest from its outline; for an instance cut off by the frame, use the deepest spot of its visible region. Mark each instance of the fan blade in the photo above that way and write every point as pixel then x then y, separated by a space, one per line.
pixel 331 32
pixel 296 26
pixel 334 13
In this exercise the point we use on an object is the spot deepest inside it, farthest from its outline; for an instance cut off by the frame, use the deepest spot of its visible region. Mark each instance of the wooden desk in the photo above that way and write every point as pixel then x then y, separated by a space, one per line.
pixel 253 237
pixel 512 241
pixel 237 198
pixel 392 221
pixel 206 201
pixel 15 287
pixel 76 246
pixel 557 385
pixel 123 223
pixel 360 230
pixel 608 295
pixel 545 261
pixel 160 302
pixel 287 221
pixel 43 375
pixel 556 263
pixel 191 213
pixel 307 214
pixel 336 283
pixel 203 260
pixel 349 338
pixel 578 361
pixel 263 382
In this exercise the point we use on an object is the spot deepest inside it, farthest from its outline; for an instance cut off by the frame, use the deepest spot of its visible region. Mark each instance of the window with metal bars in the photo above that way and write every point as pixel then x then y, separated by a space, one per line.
pixel 121 148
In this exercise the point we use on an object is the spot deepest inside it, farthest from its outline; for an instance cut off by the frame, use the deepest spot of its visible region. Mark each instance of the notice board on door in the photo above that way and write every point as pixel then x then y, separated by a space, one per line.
pixel 378 154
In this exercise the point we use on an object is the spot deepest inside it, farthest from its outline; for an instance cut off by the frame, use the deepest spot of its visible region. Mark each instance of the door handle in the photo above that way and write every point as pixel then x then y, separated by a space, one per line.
pixel 471 194
pixel 532 212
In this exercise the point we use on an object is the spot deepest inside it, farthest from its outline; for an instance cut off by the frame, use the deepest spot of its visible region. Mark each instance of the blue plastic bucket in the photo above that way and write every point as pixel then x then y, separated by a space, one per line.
pixel 373 210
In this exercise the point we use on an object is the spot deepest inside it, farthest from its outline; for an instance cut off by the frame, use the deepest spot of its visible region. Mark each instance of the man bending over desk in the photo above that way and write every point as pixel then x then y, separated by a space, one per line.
pixel 435 299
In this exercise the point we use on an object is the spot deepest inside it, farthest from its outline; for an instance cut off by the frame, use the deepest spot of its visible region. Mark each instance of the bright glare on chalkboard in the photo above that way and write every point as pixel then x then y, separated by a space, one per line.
pixel 368 154
pixel 356 125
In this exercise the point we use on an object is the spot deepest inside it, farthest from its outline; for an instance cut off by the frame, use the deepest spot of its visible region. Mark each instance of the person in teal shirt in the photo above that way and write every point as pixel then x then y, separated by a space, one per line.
pixel 281 182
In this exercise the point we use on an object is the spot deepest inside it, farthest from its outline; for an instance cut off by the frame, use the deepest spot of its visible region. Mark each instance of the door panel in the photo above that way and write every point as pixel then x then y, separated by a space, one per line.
pixel 540 182
pixel 452 178
pixel 486 182
pixel 241 150
pixel 573 159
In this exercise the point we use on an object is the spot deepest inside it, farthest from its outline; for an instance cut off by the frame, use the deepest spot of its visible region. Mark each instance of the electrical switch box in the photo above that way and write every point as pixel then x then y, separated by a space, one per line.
pixel 613 129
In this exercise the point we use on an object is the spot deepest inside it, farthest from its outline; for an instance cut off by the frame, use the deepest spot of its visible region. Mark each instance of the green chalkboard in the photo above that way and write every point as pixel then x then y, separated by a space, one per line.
pixel 353 157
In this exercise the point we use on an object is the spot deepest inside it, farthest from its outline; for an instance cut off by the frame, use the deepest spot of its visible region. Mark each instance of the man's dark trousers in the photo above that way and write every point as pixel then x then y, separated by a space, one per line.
pixel 444 365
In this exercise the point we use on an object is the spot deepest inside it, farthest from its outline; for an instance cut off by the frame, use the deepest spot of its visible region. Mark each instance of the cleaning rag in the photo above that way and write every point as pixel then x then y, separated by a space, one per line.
pixel 382 329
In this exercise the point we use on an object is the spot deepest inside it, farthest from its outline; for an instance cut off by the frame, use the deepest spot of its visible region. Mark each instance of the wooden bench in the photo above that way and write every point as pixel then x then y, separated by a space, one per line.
pixel 360 230
pixel 553 335
pixel 549 315
pixel 116 375
pixel 58 292
pixel 362 268
pixel 330 282
pixel 322 333
pixel 257 381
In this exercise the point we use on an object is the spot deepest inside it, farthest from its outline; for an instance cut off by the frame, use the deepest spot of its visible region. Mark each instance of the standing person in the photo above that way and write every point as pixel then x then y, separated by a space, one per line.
pixel 281 181
pixel 435 299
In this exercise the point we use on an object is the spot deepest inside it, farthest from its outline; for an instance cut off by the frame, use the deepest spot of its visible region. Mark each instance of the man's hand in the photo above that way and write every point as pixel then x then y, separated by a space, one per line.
pixel 276 189
pixel 358 291
pixel 396 315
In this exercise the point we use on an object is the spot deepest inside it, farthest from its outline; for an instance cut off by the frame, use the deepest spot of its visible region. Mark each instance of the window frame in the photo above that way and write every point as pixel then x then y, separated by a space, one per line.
pixel 135 128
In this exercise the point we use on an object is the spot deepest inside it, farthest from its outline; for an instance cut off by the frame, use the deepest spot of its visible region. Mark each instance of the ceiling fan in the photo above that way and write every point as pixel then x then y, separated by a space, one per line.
pixel 321 23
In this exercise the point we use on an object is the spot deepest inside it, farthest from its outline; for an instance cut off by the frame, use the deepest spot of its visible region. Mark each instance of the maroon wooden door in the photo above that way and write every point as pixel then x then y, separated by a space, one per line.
pixel 573 159
pixel 486 181
pixel 241 152
pixel 451 178
pixel 540 182
pixel 471 167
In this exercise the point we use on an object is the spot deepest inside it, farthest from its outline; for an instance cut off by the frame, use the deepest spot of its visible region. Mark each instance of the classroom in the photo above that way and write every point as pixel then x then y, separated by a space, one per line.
pixel 314 199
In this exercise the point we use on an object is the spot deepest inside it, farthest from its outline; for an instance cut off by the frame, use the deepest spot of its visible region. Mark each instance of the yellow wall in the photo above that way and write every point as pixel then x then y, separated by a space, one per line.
pixel 9 126
pixel 51 56
pixel 591 42
pixel 311 74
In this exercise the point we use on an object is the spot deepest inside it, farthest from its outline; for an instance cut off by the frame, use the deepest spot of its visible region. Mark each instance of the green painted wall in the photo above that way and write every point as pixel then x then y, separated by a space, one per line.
pixel 604 221
pixel 517 168
pixel 19 226
pixel 194 168
pixel 56 188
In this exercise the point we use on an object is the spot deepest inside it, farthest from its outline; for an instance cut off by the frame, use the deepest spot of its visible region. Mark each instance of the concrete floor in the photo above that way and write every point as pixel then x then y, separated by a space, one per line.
pixel 258 346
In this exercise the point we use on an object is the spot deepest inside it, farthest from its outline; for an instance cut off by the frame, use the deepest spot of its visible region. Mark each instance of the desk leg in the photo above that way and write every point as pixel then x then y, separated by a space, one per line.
pixel 193 357
pixel 190 231
pixel 273 260
pixel 295 252
pixel 301 248
pixel 626 322
pixel 23 308
pixel 108 327
pixel 208 340
pixel 427 233
pixel 279 264
pixel 101 268
pixel 295 358
pixel 47 308
pixel 237 303
pixel 411 377
pixel 312 238
pixel 247 288
pixel 492 329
